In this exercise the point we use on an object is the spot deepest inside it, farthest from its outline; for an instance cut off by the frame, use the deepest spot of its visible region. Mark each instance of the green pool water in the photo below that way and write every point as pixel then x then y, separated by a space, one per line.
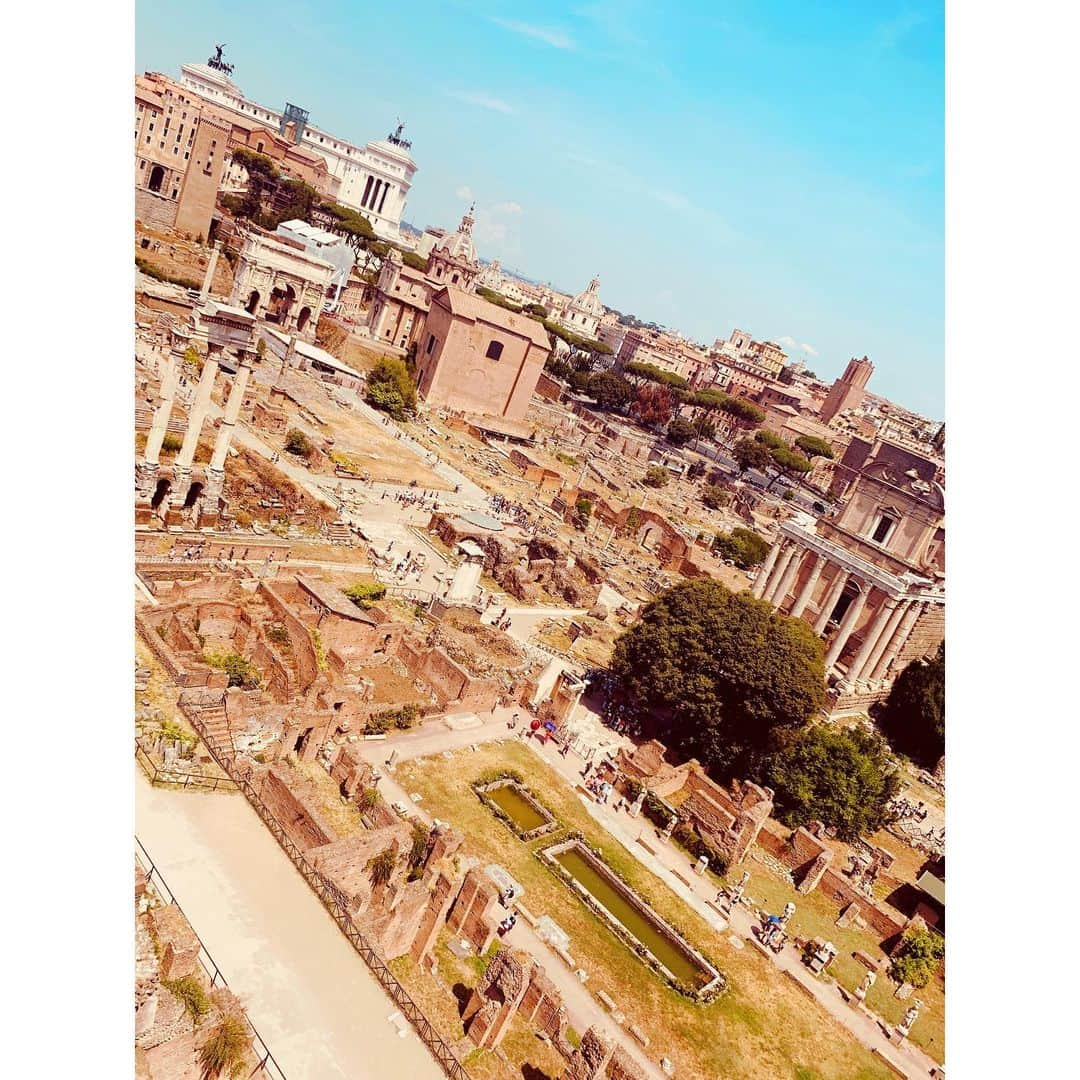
pixel 600 888
pixel 516 807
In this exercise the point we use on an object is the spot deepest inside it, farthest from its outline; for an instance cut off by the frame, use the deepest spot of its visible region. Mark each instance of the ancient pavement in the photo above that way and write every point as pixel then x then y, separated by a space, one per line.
pixel 310 995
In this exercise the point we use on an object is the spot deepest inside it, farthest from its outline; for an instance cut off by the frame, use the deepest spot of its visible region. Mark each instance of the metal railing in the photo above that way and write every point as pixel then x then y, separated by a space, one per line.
pixel 267 1065
pixel 159 774
pixel 336 905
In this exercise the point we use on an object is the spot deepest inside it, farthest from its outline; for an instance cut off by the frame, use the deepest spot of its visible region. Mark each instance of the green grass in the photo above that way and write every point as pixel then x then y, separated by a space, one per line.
pixel 762 1027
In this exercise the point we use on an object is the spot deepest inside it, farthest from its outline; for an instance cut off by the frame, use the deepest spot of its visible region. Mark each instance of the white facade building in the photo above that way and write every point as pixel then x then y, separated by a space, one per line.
pixel 583 314
pixel 375 178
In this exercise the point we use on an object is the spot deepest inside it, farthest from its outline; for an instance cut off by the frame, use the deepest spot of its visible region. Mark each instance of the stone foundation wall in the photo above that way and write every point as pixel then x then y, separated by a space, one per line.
pixel 303 649
pixel 157 211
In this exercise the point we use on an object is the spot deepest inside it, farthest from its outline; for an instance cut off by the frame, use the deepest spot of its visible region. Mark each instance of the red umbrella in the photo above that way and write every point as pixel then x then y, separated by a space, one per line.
pixel 534 725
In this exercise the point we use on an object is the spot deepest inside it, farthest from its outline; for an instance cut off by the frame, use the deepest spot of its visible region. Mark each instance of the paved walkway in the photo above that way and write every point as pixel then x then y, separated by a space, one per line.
pixel 310 995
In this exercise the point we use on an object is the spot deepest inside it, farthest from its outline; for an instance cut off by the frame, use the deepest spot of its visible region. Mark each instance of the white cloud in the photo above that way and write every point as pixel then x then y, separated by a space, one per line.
pixel 464 193
pixel 809 349
pixel 557 39
pixel 787 340
pixel 483 101
pixel 506 208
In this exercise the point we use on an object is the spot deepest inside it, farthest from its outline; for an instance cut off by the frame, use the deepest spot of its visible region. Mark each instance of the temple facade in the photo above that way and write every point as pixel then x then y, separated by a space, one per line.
pixel 870 581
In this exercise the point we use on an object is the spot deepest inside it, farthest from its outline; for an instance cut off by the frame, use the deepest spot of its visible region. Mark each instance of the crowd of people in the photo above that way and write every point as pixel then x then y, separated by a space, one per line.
pixel 505 510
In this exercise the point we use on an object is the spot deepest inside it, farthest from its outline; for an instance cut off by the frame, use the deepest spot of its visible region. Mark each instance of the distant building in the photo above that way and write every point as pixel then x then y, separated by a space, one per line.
pixel 180 155
pixel 402 295
pixel 849 390
pixel 373 179
pixel 583 314
pixel 477 357
pixel 764 355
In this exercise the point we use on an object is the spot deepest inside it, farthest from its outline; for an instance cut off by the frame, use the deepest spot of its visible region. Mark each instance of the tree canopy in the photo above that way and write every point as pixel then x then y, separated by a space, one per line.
pixel 814 447
pixel 750 454
pixel 913 715
pixel 713 673
pixel 390 388
pixel 609 390
pixel 836 775
pixel 680 431
pixel 784 461
pixel 744 547
pixel 653 405
pixel 652 373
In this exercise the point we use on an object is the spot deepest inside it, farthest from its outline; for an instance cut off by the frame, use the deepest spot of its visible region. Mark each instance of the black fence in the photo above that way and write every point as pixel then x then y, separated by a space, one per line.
pixel 158 774
pixel 266 1066
pixel 337 907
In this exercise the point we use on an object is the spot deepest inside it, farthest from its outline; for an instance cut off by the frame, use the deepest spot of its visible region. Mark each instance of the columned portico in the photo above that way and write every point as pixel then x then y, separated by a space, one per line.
pixel 869 643
pixel 779 571
pixel 847 625
pixel 788 578
pixel 898 641
pixel 832 598
pixel 896 613
pixel 762 580
pixel 817 565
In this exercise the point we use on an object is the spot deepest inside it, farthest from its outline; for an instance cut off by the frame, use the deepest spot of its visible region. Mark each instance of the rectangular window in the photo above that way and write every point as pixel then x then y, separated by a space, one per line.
pixel 430 344
pixel 494 350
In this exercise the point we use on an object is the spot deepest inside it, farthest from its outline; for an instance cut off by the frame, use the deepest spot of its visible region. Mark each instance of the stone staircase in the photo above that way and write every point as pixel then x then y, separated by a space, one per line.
pixel 340 533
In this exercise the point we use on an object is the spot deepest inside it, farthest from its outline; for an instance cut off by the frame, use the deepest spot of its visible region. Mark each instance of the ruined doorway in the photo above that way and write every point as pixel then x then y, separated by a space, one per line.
pixel 302 318
pixel 301 743
pixel 280 304
pixel 157 178
pixel 193 495
pixel 253 302
pixel 164 485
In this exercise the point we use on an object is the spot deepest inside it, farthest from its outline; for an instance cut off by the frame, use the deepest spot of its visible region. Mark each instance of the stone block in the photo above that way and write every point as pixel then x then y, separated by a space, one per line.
pixel 179 944
pixel 639 1035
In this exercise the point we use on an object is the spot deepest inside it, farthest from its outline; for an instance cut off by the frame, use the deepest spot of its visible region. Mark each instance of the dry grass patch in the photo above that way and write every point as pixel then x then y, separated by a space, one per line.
pixel 763 1026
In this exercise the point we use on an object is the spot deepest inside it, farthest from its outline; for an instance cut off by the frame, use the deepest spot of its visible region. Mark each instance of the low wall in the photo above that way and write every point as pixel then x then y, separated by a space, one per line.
pixel 302 822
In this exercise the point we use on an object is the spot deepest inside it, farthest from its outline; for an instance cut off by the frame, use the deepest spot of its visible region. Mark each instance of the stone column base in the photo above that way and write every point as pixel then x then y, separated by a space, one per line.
pixel 146 478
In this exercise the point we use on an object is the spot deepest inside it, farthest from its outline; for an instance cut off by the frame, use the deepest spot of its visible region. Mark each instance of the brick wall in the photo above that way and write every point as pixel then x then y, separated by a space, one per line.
pixel 307 666
pixel 300 819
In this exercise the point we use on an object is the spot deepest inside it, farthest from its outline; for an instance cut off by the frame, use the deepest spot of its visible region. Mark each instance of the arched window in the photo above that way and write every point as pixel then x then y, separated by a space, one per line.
pixel 157 178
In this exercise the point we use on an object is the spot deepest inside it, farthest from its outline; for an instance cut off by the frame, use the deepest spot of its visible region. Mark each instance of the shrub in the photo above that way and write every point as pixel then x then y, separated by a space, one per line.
pixel 920 953
pixel 296 442
pixel 172 442
pixel 714 496
pixel 278 635
pixel 369 798
pixel 657 476
pixel 241 672
pixel 192 994
pixel 242 518
pixel 418 849
pixel 365 593
pixel 381 867
pixel 225 1052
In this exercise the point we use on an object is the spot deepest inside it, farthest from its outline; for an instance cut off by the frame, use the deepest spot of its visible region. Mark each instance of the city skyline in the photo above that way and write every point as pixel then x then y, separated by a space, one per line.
pixel 761 199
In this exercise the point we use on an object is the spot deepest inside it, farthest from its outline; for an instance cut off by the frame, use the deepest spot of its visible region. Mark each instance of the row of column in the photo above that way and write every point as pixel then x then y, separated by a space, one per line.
pixel 372 190
pixel 200 407
pixel 886 635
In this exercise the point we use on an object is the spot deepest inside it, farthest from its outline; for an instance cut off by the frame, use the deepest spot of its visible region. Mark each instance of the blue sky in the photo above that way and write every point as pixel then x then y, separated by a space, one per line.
pixel 776 166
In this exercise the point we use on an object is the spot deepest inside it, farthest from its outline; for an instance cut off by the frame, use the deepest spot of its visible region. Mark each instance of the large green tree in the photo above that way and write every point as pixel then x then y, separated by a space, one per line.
pixel 840 776
pixel 713 673
pixel 609 390
pixel 390 388
pixel 913 716
pixel 744 547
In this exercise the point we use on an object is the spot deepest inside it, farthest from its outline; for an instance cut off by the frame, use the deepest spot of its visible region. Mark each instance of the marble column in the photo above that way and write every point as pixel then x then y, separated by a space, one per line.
pixel 232 412
pixel 817 566
pixel 899 640
pixel 211 266
pixel 788 578
pixel 146 471
pixel 196 415
pixel 851 617
pixel 897 613
pixel 790 550
pixel 870 642
pixel 831 600
pixel 762 578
